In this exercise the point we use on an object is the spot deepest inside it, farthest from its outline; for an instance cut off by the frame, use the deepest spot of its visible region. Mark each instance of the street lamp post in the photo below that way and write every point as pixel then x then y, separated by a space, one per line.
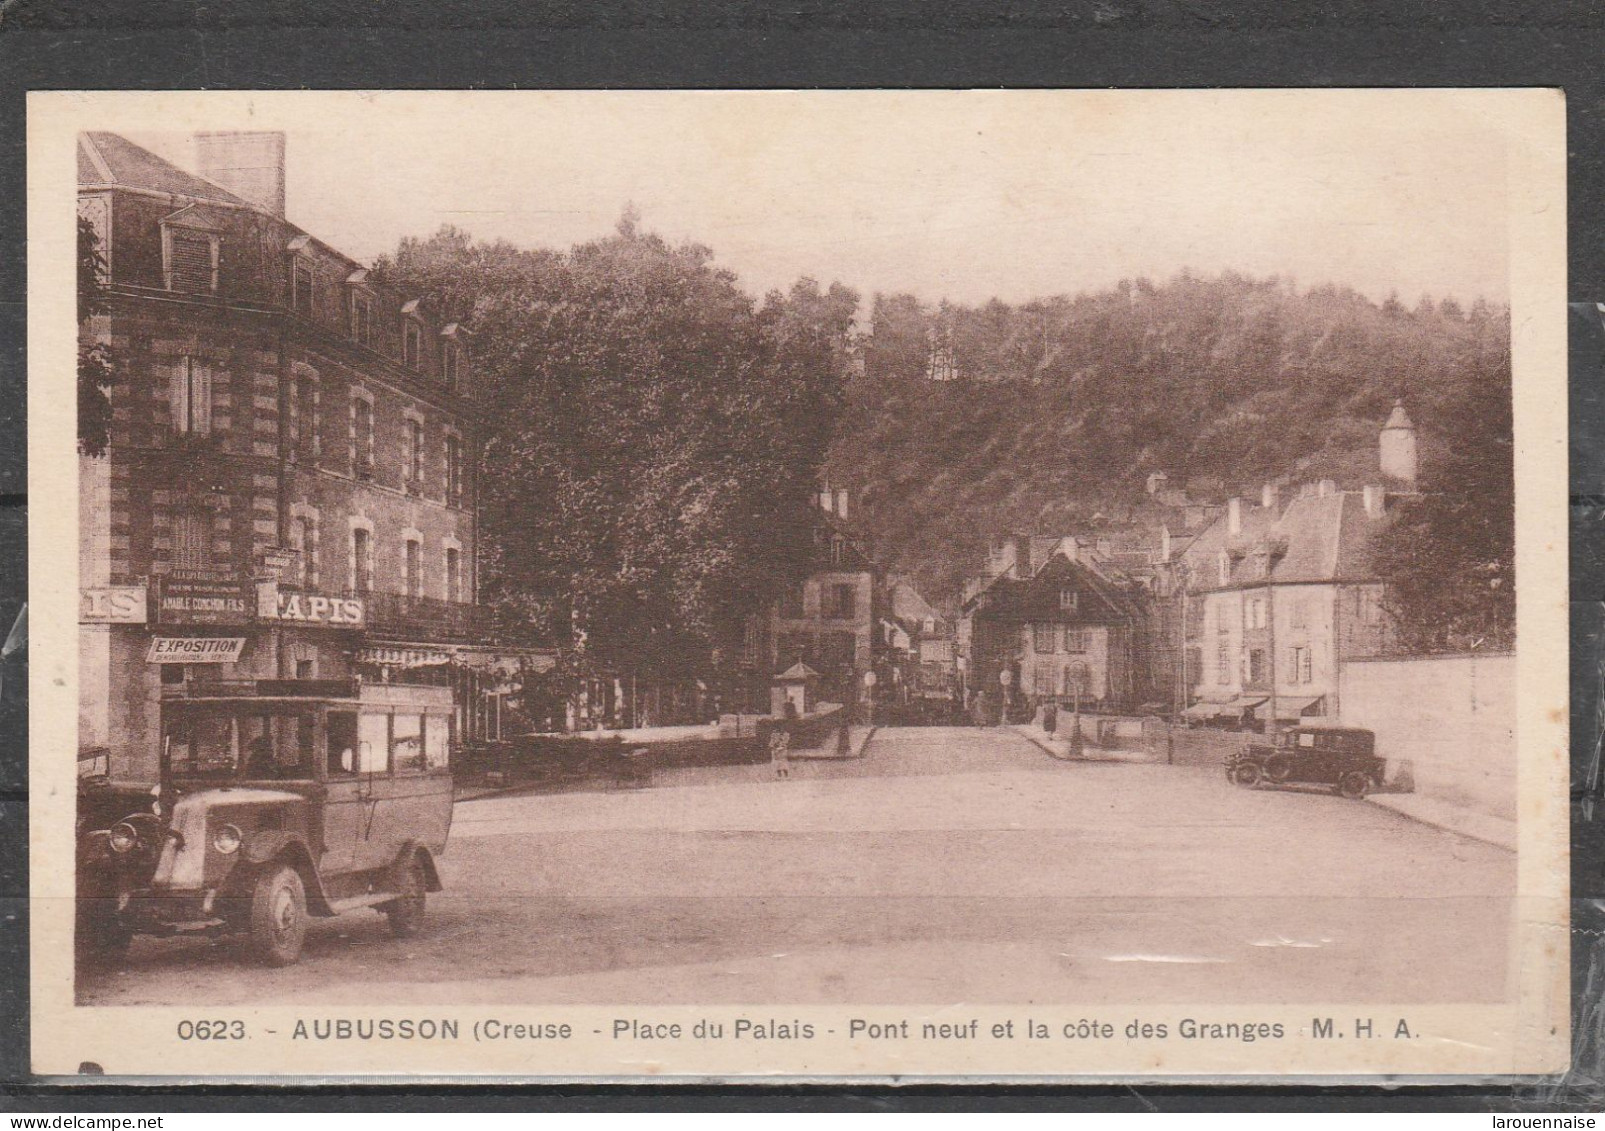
pixel 1078 672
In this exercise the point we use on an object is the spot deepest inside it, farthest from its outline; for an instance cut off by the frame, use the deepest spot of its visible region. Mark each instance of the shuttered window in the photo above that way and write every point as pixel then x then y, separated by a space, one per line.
pixel 192 540
pixel 361 561
pixel 415 579
pixel 454 574
pixel 189 265
pixel 190 394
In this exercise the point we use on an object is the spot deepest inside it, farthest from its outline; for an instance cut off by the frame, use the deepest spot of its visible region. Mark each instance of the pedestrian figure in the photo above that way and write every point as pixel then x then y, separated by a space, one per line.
pixel 780 742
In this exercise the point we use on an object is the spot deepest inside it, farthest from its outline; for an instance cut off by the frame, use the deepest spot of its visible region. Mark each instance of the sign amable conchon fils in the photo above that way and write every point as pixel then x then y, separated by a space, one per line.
pixel 1081 597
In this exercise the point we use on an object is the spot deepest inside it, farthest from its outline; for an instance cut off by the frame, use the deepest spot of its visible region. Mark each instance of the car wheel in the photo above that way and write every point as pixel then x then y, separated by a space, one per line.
pixel 278 916
pixel 406 912
pixel 1354 785
pixel 1279 769
pixel 1246 773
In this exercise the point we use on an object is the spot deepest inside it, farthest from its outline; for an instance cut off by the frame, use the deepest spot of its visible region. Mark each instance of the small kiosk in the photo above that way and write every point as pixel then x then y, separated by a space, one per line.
pixel 797 685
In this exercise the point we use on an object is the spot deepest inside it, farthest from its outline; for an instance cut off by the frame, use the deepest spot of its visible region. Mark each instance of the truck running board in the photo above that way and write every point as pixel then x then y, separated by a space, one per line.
pixel 369 899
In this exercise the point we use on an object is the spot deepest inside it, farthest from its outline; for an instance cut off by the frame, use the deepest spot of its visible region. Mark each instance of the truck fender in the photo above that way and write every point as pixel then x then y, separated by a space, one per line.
pixel 292 850
pixel 426 859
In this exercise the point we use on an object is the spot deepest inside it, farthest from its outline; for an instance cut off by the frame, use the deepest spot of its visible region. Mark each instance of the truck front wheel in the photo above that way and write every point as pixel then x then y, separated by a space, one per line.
pixel 278 916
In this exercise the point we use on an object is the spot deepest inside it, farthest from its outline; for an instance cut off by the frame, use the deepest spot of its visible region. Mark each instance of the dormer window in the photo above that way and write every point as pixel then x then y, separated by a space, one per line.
pixel 411 344
pixel 360 304
pixel 454 342
pixel 448 364
pixel 412 335
pixel 301 289
pixel 190 251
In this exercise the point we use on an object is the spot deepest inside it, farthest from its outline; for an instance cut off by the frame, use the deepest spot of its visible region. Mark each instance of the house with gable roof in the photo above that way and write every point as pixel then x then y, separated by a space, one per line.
pixel 1278 596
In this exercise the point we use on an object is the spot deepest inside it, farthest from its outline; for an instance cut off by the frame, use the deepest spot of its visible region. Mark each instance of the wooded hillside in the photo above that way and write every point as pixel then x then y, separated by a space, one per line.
pixel 1052 409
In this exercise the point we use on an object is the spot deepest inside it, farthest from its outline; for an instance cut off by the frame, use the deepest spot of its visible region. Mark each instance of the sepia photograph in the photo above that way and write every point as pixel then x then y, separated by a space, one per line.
pixel 799 583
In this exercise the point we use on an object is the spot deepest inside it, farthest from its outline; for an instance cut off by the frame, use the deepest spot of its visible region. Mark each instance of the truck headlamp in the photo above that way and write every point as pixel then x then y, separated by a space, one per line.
pixel 124 838
pixel 227 840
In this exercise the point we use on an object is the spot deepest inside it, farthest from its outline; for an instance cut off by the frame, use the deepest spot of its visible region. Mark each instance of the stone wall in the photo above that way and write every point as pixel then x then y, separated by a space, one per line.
pixel 1445 724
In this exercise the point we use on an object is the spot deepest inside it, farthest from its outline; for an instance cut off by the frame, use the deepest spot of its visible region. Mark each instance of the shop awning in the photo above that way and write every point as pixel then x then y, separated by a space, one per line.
pixel 1293 708
pixel 1245 703
pixel 1206 710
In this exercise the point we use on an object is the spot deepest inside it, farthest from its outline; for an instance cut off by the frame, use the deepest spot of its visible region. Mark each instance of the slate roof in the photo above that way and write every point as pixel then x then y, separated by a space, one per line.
pixel 1100 601
pixel 1314 538
pixel 107 158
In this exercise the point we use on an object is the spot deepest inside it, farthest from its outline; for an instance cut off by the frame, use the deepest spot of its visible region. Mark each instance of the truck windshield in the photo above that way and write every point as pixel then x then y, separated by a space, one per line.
pixel 245 744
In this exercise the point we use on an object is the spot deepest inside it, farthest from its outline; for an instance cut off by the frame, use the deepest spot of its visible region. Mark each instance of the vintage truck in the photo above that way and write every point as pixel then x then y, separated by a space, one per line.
pixel 277 800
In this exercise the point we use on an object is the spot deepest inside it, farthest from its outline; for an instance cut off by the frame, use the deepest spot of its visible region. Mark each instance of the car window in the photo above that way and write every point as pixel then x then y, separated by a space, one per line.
pixel 201 744
pixel 407 743
pixel 373 743
pixel 342 744
pixel 437 741
pixel 1306 739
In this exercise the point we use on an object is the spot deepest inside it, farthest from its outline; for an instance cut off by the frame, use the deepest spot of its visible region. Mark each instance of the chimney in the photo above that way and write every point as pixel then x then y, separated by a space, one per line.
pixel 249 163
pixel 841 504
pixel 1234 515
pixel 1157 481
pixel 1270 497
pixel 1325 488
pixel 1376 501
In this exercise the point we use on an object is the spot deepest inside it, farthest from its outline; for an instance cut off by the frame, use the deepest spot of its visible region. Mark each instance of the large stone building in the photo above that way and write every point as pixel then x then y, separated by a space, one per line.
pixel 290 485
pixel 829 620
pixel 1277 597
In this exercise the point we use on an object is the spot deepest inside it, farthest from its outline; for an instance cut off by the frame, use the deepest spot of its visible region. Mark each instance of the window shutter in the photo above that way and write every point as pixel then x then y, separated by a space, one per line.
pixel 201 390
pixel 190 267
pixel 178 395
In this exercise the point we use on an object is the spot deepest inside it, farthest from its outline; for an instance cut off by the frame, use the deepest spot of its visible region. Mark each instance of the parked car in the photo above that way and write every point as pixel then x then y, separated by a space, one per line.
pixel 1341 757
pixel 278 800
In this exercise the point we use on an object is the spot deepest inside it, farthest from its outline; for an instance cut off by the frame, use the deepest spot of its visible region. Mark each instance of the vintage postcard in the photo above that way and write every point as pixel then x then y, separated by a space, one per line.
pixel 902 585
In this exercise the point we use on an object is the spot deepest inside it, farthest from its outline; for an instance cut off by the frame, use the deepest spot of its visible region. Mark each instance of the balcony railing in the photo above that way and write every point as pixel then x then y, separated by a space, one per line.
pixel 424 618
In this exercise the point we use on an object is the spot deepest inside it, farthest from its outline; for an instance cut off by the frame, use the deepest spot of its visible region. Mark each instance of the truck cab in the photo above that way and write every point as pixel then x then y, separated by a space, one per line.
pixel 278 800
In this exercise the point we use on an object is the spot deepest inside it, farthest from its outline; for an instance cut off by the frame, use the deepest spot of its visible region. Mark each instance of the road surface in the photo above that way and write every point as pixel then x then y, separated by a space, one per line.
pixel 946 865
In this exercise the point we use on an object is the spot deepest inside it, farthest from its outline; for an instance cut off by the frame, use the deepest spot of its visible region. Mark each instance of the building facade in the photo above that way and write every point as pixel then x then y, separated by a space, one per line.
pixel 1065 633
pixel 289 489
pixel 830 620
pixel 1276 598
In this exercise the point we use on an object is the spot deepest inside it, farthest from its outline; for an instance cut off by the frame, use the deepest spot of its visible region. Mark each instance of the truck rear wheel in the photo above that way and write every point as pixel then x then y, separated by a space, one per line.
pixel 1246 773
pixel 406 912
pixel 278 916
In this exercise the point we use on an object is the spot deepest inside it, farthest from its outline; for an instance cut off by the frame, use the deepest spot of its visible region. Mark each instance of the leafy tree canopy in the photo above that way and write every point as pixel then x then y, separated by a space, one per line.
pixel 654 435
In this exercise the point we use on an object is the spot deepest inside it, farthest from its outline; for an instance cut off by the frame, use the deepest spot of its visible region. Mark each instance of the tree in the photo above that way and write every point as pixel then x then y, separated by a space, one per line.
pixel 97 370
pixel 654 437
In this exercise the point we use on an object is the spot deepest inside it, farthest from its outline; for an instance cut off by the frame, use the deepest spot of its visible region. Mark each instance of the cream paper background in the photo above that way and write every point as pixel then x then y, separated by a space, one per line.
pixel 1529 1034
